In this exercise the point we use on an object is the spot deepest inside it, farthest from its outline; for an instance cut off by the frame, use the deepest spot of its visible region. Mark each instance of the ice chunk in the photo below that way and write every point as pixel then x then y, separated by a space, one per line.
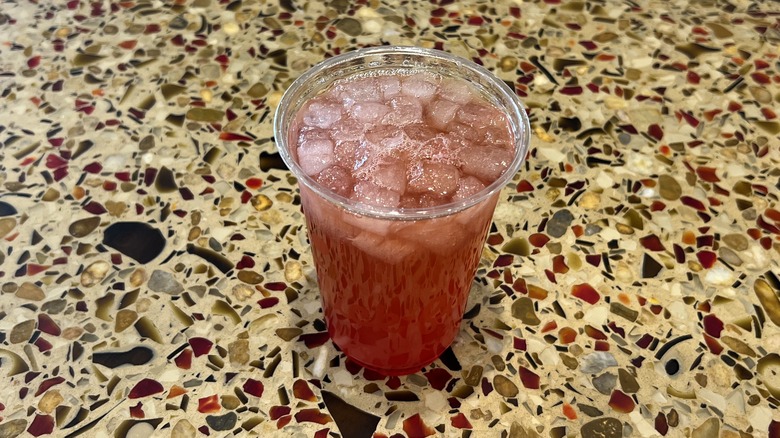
pixel 368 112
pixel 336 179
pixel 441 113
pixel 486 163
pixel 461 131
pixel 385 139
pixel 311 133
pixel 359 90
pixel 391 251
pixel 500 136
pixel 420 132
pixel 391 176
pixel 405 110
pixel 456 90
pixel 390 86
pixel 434 178
pixel 442 236
pixel 369 193
pixel 467 187
pixel 419 86
pixel 379 227
pixel 480 116
pixel 425 143
pixel 315 155
pixel 348 129
pixel 350 155
pixel 322 114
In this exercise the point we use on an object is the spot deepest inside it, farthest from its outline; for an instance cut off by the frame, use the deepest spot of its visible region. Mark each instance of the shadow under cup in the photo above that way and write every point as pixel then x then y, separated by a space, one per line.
pixel 394 282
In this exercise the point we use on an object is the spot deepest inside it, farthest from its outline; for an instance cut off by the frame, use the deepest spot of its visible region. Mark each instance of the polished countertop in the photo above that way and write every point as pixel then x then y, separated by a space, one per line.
pixel 155 275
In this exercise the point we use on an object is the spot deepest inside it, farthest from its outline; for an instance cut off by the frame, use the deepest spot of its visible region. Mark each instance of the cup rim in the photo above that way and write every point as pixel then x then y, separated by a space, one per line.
pixel 515 110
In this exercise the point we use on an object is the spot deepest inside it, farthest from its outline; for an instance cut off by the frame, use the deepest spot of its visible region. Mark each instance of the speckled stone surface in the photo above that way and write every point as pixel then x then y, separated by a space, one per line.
pixel 156 278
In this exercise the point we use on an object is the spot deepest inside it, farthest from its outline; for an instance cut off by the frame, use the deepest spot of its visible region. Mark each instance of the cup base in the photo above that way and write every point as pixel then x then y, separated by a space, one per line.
pixel 394 371
pixel 389 371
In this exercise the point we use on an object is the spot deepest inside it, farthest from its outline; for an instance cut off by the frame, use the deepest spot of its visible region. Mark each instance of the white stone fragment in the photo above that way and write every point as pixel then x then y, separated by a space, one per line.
pixel 736 400
pixel 597 362
pixel 372 26
pixel 659 398
pixel 642 426
pixel 550 357
pixel 231 28
pixel 613 102
pixel 720 276
pixel 647 193
pixel 342 378
pixel 552 154
pixel 493 344
pixel 597 315
pixel 604 181
pixel 760 417
pixel 534 346
pixel 712 398
pixel 114 162
pixel 170 375
pixel 642 62
pixel 435 401
pixel 640 163
pixel 220 233
pixel 140 430
pixel 609 234
pixel 755 258
pixel 367 12
pixel 318 368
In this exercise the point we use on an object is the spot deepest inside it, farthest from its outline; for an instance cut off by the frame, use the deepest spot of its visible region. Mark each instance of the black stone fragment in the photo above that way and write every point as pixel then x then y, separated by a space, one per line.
pixel 78 418
pixel 449 360
pixel 402 396
pixel 287 5
pixel 136 356
pixel 76 350
pixel 650 267
pixel 216 259
pixel 271 161
pixel 672 367
pixel 165 182
pixel 7 209
pixel 351 421
pixel 83 147
pixel 571 124
pixel 474 311
pixel 141 242
pixel 222 422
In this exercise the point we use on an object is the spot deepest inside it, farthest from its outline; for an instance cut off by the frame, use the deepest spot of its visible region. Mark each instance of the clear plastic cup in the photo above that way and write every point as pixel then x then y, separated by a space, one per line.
pixel 394 282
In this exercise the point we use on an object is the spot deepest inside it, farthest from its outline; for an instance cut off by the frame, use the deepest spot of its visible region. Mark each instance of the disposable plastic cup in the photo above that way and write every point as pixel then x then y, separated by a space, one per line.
pixel 394 282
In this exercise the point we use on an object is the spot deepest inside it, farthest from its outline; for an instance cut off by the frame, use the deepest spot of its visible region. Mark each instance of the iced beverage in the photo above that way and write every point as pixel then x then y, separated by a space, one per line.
pixel 400 155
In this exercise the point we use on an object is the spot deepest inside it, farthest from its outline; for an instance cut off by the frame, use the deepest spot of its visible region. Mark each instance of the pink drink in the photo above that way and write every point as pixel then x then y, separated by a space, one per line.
pixel 400 174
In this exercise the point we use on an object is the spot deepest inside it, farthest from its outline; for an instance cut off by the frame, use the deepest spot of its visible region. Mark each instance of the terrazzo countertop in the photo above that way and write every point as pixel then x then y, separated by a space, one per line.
pixel 156 278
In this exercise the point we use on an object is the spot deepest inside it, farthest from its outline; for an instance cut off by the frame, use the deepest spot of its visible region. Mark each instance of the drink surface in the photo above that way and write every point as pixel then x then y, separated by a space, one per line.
pixel 403 141
pixel 394 291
